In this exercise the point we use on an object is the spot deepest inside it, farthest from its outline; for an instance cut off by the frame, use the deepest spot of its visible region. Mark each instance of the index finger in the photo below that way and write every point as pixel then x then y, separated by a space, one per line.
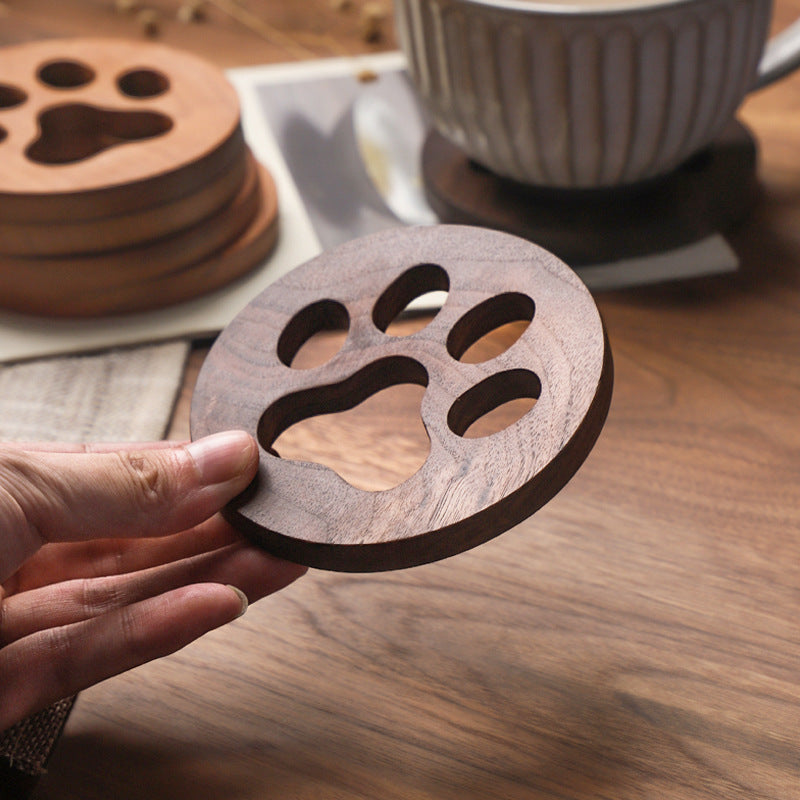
pixel 89 447
pixel 50 496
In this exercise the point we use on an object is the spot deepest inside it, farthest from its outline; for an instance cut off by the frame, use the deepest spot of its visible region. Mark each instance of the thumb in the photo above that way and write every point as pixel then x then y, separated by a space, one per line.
pixel 56 496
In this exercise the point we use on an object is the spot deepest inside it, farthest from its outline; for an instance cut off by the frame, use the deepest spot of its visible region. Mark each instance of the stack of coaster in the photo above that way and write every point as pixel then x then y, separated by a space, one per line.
pixel 126 182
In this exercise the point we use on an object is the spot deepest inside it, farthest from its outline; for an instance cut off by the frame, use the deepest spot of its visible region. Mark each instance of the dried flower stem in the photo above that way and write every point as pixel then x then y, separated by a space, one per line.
pixel 264 29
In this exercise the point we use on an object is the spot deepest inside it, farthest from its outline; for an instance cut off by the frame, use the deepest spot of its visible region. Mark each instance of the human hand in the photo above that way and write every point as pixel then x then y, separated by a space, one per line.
pixel 112 556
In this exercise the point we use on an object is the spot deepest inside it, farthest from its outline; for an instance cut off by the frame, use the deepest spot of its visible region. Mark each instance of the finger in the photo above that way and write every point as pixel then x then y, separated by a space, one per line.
pixel 50 665
pixel 46 497
pixel 63 561
pixel 89 447
pixel 252 570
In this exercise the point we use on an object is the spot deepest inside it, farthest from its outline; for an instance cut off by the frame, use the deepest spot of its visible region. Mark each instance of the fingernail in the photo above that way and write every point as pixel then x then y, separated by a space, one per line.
pixel 242 598
pixel 222 456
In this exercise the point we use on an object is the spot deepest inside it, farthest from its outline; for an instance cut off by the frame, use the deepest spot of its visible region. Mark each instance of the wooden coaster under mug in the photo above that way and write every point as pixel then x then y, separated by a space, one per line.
pixel 711 193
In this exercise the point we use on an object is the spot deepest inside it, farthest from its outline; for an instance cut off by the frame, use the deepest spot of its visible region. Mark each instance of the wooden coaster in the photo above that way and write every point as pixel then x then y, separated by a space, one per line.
pixel 93 128
pixel 126 182
pixel 198 260
pixel 469 489
pixel 68 237
pixel 709 194
pixel 219 269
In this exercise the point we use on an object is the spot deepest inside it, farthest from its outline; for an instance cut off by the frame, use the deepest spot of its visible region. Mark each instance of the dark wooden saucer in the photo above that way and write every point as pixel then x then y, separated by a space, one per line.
pixel 711 193
pixel 469 489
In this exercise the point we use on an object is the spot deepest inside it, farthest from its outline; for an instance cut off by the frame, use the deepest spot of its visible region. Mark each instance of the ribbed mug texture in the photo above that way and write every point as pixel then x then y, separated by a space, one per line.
pixel 582 99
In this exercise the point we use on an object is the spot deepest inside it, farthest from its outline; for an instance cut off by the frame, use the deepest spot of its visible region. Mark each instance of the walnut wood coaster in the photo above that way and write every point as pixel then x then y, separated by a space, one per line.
pixel 469 489
pixel 711 193
pixel 126 182
pixel 638 637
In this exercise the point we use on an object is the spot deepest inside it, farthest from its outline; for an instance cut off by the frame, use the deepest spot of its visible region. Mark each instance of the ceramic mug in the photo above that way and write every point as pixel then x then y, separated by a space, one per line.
pixel 588 93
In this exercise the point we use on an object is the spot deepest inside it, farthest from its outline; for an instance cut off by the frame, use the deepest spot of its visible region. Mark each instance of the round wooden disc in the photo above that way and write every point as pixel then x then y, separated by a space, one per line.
pixel 99 127
pixel 469 489
pixel 219 269
pixel 68 237
pixel 193 262
pixel 709 194
pixel 60 286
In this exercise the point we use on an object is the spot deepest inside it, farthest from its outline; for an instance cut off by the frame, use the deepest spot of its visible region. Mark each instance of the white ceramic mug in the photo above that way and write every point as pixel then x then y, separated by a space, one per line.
pixel 588 93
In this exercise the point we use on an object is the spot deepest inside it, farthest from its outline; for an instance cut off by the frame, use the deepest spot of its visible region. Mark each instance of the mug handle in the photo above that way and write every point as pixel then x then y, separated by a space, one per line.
pixel 781 56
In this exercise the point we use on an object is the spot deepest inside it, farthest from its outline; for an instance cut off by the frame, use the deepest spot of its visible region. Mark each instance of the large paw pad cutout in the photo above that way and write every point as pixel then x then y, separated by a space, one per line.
pixel 469 489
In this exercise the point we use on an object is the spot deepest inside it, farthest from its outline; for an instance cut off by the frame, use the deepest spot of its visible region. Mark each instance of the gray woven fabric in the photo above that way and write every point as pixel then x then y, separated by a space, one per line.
pixel 118 395
pixel 27 745
pixel 124 394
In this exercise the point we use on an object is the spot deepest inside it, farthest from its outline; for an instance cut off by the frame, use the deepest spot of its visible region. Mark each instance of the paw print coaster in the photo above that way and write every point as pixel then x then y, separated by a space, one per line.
pixel 469 489
pixel 126 182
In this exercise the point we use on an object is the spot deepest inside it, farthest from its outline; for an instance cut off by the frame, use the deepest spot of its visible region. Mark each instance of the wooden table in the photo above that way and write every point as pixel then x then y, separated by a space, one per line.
pixel 637 638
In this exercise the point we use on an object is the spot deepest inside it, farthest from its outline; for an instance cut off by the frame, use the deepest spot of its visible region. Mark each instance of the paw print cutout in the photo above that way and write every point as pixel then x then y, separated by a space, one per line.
pixel 125 178
pixel 469 489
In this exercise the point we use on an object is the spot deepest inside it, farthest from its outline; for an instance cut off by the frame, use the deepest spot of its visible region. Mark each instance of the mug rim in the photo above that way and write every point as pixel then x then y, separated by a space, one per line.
pixel 577 7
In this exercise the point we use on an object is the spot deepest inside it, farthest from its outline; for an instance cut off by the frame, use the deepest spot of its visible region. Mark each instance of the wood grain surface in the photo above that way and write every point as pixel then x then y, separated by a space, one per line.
pixel 639 637
pixel 154 120
pixel 127 185
pixel 194 261
pixel 469 489
pixel 68 236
